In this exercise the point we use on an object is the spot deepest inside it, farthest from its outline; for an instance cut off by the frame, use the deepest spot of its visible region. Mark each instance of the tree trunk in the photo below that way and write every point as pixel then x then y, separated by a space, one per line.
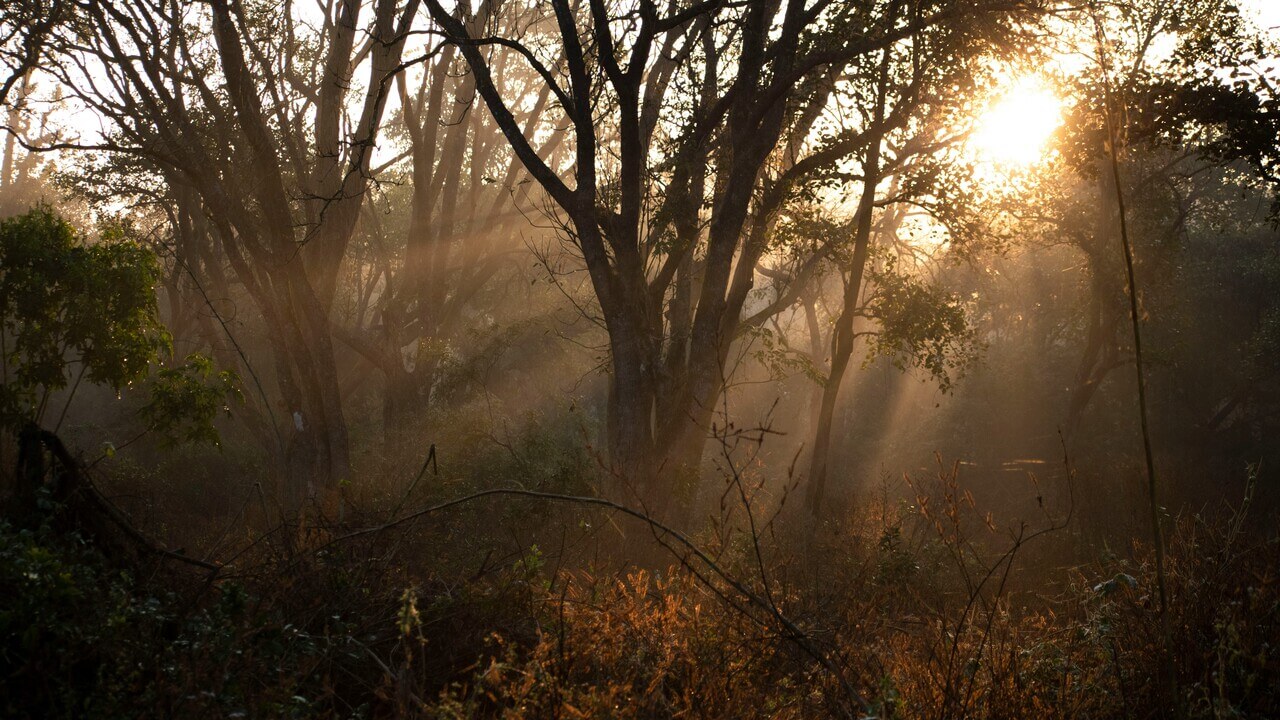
pixel 630 417
pixel 843 335
pixel 402 405
pixel 1102 345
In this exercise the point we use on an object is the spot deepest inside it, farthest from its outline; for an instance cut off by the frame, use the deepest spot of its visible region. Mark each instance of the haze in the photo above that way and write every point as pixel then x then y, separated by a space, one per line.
pixel 411 358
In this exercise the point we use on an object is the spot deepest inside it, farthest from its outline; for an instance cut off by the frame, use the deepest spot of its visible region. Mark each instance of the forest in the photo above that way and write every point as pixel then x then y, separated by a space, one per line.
pixel 640 359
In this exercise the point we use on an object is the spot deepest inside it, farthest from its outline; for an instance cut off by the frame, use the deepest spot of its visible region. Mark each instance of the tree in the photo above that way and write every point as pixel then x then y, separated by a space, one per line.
pixel 690 129
pixel 264 140
pixel 437 243
pixel 908 120
pixel 1185 120
pixel 25 30
pixel 65 302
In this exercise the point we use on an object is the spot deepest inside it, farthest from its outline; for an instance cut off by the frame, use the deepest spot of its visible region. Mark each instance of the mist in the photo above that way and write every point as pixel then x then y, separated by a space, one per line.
pixel 414 358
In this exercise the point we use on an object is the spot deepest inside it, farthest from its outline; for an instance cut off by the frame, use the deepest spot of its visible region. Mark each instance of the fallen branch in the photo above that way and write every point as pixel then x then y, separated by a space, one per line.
pixel 792 631
pixel 74 488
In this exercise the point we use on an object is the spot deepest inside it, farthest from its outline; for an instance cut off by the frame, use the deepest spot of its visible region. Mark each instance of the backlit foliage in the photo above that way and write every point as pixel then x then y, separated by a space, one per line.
pixel 71 306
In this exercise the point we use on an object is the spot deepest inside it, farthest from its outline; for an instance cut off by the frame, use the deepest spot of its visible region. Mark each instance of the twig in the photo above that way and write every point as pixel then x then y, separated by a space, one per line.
pixel 662 533
pixel 1157 535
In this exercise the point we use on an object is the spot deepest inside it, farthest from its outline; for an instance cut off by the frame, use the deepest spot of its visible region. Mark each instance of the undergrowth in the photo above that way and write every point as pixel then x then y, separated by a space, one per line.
pixel 925 609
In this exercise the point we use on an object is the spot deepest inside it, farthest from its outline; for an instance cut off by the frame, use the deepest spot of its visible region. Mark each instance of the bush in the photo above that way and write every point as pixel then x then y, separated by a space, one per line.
pixel 80 638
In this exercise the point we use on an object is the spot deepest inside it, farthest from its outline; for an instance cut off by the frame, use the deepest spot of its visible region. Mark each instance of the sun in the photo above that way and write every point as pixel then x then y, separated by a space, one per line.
pixel 1015 129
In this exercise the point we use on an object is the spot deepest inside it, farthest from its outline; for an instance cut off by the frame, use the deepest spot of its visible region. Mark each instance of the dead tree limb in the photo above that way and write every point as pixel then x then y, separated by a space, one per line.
pixel 662 532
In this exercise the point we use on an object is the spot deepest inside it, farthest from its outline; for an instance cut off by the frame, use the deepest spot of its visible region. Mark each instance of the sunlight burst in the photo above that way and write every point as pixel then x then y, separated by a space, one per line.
pixel 1016 127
